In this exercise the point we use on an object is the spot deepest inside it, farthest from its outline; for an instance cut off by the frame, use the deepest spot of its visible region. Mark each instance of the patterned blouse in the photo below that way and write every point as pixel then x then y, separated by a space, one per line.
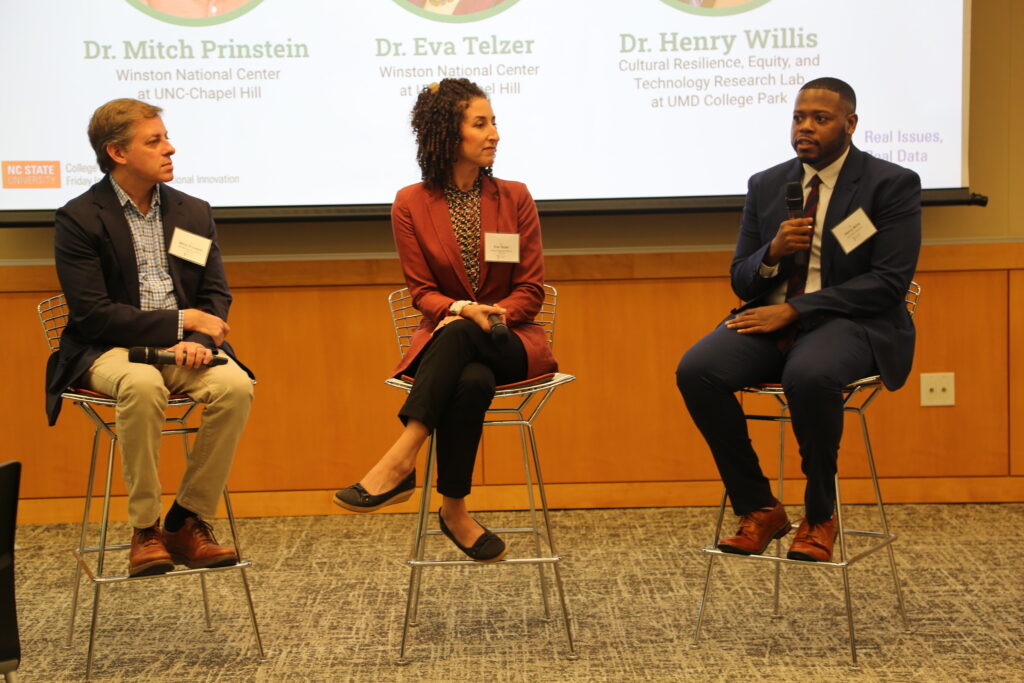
pixel 464 210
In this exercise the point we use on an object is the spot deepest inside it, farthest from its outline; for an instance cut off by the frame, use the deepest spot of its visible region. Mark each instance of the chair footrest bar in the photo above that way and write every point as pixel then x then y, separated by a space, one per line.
pixel 772 558
pixel 96 549
pixel 516 560
pixel 887 539
pixel 769 418
pixel 513 530
pixel 91 574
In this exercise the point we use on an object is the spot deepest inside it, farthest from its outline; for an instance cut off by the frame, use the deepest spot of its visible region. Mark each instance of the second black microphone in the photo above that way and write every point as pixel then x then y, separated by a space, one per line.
pixel 499 330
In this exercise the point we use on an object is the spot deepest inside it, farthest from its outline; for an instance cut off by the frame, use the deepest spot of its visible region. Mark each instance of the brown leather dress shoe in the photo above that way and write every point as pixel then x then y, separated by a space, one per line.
pixel 757 530
pixel 814 542
pixel 194 546
pixel 148 555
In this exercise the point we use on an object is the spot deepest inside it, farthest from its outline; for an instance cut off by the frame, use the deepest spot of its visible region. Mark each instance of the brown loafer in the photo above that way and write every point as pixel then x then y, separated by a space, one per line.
pixel 757 530
pixel 814 542
pixel 194 546
pixel 148 554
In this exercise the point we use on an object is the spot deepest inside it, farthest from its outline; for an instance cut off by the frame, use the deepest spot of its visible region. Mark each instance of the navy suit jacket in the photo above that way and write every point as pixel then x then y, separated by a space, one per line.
pixel 869 284
pixel 99 275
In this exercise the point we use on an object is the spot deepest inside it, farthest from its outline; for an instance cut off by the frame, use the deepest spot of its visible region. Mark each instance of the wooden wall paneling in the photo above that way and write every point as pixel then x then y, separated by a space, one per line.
pixel 641 266
pixel 962 328
pixel 246 274
pixel 623 419
pixel 55 459
pixel 322 414
pixel 957 257
pixel 1015 378
pixel 33 279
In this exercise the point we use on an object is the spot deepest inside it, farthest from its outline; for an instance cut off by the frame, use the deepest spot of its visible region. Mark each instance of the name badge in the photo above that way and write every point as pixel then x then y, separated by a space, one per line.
pixel 190 246
pixel 854 230
pixel 501 247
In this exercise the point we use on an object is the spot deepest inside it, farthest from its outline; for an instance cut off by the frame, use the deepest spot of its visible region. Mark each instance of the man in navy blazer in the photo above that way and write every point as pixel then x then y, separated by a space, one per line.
pixel 139 265
pixel 817 315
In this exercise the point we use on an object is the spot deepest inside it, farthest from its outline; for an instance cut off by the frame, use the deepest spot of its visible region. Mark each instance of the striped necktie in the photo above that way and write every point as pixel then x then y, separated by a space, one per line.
pixel 798 280
pixel 786 337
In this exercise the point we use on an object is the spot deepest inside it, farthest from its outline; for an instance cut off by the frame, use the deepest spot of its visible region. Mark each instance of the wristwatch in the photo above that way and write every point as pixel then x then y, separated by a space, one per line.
pixel 456 306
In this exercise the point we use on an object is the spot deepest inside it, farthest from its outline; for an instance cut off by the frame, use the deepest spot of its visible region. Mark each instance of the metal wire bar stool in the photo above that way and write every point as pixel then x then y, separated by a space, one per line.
pixel 857 396
pixel 53 315
pixel 530 398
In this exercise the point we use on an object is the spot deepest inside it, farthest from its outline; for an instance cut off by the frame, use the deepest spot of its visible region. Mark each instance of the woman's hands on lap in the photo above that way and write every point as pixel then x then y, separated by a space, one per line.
pixel 478 313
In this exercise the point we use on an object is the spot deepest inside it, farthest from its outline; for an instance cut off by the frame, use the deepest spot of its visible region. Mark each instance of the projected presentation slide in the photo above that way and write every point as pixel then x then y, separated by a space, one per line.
pixel 306 102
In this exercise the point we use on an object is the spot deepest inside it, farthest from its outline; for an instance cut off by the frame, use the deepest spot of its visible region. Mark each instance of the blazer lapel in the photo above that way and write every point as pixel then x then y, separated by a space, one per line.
pixel 445 234
pixel 839 207
pixel 171 216
pixel 116 226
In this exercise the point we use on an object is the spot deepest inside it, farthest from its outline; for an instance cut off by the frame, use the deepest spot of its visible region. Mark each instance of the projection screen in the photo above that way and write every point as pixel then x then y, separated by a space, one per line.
pixel 301 107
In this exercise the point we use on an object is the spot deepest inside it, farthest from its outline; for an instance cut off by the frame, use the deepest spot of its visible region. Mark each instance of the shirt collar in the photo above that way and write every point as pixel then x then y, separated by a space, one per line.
pixel 451 189
pixel 123 198
pixel 830 174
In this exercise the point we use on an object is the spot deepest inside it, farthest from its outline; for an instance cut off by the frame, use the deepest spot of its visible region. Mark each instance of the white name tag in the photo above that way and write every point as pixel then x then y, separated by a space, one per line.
pixel 854 230
pixel 501 247
pixel 190 246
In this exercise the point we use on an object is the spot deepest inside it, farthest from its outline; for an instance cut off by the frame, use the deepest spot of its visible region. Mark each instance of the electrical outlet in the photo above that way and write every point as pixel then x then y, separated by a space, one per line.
pixel 938 389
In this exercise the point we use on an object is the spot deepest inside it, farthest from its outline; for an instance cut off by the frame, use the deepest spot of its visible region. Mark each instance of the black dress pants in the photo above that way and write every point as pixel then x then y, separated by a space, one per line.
pixel 813 373
pixel 456 375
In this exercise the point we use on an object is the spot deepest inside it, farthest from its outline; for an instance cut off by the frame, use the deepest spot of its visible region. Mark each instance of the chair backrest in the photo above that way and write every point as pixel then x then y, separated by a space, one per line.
pixel 913 294
pixel 53 316
pixel 406 318
pixel 10 643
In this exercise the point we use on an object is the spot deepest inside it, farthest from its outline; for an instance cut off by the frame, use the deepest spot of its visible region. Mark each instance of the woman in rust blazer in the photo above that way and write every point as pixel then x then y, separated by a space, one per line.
pixel 470 248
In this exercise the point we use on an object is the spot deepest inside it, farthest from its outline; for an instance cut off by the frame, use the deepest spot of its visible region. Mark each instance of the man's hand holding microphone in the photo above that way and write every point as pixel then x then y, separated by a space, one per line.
pixel 185 353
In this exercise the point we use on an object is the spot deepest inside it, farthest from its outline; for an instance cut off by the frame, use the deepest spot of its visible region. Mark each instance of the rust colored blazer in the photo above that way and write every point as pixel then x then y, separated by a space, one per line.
pixel 434 273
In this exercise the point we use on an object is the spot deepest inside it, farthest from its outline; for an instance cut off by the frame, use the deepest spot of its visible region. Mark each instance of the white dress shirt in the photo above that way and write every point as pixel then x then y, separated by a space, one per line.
pixel 829 175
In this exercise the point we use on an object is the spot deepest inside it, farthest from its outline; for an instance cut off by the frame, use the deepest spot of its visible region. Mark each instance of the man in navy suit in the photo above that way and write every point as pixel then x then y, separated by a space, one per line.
pixel 817 315
pixel 139 265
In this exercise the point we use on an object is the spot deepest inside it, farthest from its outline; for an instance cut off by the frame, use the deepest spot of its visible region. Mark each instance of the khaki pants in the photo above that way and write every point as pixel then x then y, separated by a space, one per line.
pixel 142 392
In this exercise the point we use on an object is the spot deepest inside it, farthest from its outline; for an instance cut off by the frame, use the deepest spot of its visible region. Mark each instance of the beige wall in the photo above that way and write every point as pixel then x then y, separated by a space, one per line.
pixel 996 137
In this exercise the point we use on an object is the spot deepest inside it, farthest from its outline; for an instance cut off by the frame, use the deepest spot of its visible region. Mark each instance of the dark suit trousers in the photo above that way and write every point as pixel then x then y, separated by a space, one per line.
pixel 456 375
pixel 822 361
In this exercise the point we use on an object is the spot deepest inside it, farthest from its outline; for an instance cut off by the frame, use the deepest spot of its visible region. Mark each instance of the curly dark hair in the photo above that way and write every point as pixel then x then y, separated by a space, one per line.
pixel 437 122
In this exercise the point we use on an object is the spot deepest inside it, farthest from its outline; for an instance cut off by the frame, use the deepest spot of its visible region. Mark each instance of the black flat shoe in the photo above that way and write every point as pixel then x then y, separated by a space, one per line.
pixel 356 499
pixel 488 548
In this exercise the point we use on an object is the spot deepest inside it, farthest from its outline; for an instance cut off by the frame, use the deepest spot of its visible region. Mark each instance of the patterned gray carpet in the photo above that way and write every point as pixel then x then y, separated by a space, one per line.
pixel 330 595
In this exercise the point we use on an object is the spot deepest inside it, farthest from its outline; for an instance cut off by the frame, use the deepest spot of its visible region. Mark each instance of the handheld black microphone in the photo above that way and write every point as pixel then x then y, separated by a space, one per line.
pixel 154 356
pixel 499 330
pixel 795 206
